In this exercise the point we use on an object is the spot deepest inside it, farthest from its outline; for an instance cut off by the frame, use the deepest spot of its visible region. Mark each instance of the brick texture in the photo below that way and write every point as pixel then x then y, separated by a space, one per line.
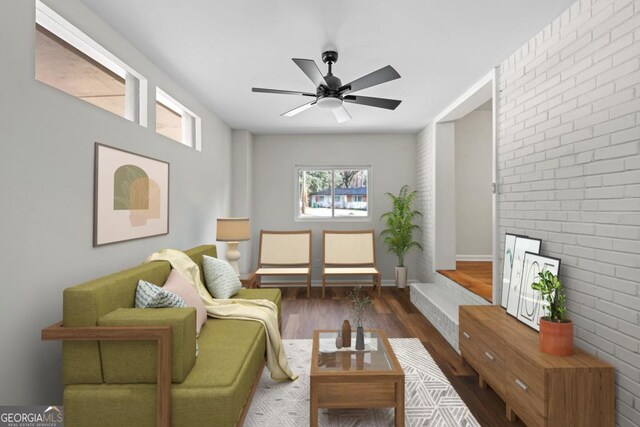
pixel 569 172
pixel 425 187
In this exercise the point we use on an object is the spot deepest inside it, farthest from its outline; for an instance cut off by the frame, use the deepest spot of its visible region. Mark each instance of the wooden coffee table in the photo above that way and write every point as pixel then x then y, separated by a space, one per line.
pixel 347 378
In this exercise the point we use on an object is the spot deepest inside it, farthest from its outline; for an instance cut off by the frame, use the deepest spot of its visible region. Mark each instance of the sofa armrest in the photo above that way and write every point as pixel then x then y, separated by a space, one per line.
pixel 127 362
pixel 160 334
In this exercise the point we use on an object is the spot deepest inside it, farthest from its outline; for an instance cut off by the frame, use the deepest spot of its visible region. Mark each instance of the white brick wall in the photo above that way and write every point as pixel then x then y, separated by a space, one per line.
pixel 569 172
pixel 425 186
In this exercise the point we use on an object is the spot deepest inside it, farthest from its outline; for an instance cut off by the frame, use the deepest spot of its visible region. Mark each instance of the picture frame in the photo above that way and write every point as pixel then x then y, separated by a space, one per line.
pixel 131 196
pixel 530 304
pixel 507 263
pixel 522 245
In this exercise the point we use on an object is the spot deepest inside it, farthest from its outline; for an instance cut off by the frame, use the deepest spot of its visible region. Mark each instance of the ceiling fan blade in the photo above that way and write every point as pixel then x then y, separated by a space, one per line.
pixel 341 114
pixel 298 110
pixel 309 67
pixel 383 75
pixel 283 92
pixel 389 104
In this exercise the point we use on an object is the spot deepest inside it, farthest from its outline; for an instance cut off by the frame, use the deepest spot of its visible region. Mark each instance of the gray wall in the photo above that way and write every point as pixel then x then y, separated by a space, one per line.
pixel 241 184
pixel 473 185
pixel 392 160
pixel 46 170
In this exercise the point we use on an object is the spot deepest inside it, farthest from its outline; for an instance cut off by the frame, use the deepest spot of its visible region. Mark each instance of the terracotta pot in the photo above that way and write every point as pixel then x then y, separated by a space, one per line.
pixel 556 338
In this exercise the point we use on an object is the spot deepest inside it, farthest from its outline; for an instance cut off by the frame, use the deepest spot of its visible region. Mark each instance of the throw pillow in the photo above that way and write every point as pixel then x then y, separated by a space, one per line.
pixel 220 278
pixel 180 286
pixel 149 295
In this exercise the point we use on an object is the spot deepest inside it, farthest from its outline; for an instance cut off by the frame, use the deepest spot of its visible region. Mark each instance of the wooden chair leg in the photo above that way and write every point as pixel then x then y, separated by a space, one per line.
pixel 379 280
pixel 323 284
pixel 308 286
pixel 258 280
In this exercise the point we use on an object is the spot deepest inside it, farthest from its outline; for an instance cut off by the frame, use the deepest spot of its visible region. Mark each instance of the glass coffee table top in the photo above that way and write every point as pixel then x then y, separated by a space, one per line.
pixel 375 356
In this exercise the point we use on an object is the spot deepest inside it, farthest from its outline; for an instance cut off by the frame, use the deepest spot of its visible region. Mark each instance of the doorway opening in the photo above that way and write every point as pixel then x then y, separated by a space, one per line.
pixel 465 220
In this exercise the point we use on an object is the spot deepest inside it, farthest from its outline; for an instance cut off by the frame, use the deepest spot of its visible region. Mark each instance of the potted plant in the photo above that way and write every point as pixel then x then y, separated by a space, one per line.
pixel 556 332
pixel 360 312
pixel 398 234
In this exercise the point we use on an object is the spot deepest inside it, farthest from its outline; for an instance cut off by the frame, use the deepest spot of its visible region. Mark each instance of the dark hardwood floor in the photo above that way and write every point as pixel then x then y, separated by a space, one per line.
pixel 394 313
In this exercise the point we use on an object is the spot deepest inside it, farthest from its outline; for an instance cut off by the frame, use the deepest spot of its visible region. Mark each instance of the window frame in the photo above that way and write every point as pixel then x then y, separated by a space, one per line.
pixel 333 168
pixel 136 86
pixel 191 122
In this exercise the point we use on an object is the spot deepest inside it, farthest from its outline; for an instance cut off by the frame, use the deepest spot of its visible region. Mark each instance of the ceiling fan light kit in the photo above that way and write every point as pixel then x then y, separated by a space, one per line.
pixel 331 93
pixel 330 102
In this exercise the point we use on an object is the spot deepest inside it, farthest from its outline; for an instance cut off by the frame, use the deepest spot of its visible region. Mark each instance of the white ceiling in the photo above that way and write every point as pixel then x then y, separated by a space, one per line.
pixel 219 49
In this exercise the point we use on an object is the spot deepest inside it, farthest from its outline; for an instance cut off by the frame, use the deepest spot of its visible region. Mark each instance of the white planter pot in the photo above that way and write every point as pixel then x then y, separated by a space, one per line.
pixel 401 277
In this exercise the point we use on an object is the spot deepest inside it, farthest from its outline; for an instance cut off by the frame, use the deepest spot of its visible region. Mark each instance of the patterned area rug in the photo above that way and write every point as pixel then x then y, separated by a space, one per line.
pixel 430 400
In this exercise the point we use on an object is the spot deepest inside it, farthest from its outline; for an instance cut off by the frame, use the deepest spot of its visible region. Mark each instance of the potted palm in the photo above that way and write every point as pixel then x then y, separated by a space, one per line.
pixel 556 331
pixel 398 234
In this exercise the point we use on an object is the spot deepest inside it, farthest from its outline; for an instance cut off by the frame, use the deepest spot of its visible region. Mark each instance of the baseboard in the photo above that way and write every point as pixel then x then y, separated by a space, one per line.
pixel 474 257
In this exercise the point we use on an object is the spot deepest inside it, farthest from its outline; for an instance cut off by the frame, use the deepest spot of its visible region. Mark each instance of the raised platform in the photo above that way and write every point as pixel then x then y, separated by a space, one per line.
pixel 439 303
pixel 476 276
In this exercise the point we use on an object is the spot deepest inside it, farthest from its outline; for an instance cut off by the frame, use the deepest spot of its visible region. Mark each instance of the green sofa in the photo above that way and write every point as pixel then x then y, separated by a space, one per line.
pixel 113 383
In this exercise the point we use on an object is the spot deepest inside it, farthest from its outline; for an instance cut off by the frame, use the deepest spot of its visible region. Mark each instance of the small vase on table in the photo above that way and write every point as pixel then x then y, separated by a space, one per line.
pixel 360 338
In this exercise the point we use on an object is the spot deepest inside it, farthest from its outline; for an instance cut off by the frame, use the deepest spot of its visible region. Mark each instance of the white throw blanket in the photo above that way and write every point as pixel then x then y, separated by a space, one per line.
pixel 263 311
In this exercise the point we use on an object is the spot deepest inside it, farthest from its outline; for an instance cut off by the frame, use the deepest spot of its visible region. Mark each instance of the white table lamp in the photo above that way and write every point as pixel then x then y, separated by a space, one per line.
pixel 232 231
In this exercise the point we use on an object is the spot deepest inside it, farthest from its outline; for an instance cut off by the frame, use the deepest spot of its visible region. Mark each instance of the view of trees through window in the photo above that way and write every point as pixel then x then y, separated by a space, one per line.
pixel 333 193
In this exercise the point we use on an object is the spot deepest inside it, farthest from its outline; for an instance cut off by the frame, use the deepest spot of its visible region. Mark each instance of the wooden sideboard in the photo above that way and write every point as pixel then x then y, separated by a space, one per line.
pixel 542 390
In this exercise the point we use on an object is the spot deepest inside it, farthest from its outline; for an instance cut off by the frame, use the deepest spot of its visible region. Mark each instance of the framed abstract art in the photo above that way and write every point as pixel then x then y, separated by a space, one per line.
pixel 507 263
pixel 131 196
pixel 531 305
pixel 522 245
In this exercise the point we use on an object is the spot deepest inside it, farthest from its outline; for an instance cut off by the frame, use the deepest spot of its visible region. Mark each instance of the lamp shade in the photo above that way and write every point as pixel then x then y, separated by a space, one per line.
pixel 233 229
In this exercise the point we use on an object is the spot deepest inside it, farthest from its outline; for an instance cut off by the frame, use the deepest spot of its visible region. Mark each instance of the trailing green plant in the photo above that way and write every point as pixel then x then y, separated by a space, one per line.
pixel 398 234
pixel 362 305
pixel 552 291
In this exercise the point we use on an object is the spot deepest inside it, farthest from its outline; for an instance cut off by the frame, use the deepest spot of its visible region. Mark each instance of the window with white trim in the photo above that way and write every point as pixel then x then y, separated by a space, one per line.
pixel 175 121
pixel 69 60
pixel 329 193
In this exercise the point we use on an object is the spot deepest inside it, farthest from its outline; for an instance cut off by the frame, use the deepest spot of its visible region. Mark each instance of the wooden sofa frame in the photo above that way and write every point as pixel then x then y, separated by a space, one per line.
pixel 160 334
pixel 349 269
pixel 280 268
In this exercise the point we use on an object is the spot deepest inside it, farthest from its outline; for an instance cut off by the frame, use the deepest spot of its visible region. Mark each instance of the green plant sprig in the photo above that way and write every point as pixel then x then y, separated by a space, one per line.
pixel 362 305
pixel 553 293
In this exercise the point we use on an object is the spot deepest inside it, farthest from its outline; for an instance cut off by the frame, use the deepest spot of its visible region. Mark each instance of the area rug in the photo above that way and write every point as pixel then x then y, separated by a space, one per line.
pixel 430 400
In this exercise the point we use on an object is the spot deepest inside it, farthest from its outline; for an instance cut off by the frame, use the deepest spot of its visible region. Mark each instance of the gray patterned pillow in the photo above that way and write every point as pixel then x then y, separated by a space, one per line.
pixel 149 295
pixel 220 278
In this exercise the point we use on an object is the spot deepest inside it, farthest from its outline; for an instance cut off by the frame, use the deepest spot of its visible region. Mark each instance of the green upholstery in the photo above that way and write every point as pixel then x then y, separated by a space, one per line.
pixel 113 384
pixel 231 355
pixel 84 304
pixel 126 362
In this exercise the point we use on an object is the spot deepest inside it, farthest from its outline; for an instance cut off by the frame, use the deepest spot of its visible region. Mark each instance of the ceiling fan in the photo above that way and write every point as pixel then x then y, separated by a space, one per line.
pixel 331 93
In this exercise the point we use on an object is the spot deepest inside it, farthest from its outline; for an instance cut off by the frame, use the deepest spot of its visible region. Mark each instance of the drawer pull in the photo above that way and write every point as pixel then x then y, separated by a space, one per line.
pixel 521 384
pixel 489 355
pixel 466 335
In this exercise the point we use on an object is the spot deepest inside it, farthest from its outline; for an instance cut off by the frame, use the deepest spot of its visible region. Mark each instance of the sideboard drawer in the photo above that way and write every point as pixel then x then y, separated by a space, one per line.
pixel 485 351
pixel 525 384
pixel 492 365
